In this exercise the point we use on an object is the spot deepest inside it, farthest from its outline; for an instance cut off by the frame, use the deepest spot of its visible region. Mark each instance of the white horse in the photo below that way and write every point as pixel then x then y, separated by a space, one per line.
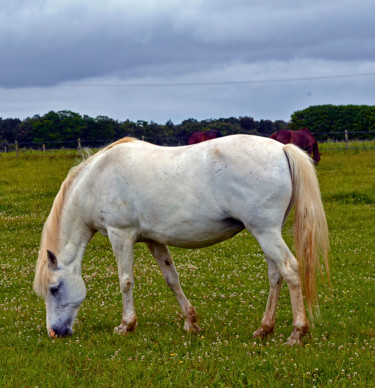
pixel 189 197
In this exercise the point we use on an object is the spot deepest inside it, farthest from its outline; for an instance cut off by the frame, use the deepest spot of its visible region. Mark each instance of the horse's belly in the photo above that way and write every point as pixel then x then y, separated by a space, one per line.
pixel 194 235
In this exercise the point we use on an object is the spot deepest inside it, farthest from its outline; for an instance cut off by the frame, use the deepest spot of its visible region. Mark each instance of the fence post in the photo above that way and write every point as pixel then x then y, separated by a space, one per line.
pixel 44 148
pixel 346 139
pixel 79 147
pixel 17 148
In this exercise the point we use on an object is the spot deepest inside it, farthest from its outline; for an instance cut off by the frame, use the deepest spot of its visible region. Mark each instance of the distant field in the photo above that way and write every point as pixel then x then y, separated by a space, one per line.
pixel 227 284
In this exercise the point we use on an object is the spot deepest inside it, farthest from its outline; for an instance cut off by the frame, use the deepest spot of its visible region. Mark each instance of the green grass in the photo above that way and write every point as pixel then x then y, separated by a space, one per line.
pixel 352 145
pixel 227 284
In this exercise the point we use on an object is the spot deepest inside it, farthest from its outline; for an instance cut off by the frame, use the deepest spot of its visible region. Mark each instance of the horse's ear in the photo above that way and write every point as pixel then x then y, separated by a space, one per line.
pixel 52 260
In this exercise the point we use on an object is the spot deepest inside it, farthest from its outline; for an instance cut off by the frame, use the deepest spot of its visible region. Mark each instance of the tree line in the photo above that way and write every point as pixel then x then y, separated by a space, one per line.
pixel 331 121
pixel 62 127
pixel 66 126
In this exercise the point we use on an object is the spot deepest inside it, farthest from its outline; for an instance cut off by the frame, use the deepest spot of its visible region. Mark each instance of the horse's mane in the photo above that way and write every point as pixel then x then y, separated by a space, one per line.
pixel 50 234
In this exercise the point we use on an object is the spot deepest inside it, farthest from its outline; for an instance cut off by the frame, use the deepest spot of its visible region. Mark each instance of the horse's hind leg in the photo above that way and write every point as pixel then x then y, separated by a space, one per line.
pixel 123 247
pixel 163 257
pixel 268 321
pixel 278 253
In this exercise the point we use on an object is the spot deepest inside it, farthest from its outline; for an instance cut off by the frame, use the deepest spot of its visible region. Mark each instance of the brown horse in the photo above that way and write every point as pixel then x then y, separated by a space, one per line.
pixel 198 137
pixel 303 138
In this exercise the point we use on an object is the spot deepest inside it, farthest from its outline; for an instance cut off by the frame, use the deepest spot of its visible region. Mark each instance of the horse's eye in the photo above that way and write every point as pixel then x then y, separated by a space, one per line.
pixel 54 290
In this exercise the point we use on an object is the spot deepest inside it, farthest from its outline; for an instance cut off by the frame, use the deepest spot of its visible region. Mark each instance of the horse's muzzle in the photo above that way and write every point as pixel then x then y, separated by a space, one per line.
pixel 59 332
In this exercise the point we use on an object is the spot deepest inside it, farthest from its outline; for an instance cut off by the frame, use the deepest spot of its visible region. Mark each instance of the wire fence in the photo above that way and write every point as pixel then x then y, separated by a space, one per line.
pixel 331 140
pixel 83 143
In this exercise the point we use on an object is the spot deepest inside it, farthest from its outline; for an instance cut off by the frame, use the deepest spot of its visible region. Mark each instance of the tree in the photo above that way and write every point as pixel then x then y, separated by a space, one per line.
pixel 265 127
pixel 9 129
pixel 104 128
pixel 332 119
pixel 67 126
pixel 169 124
pixel 247 123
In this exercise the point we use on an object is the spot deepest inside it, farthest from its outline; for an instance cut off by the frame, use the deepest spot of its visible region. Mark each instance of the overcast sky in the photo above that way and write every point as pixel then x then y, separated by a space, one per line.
pixel 169 59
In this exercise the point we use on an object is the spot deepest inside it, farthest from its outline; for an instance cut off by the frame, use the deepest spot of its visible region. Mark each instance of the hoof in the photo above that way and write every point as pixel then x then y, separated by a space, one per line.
pixel 124 329
pixel 191 327
pixel 262 332
pixel 293 340
pixel 190 321
pixel 296 336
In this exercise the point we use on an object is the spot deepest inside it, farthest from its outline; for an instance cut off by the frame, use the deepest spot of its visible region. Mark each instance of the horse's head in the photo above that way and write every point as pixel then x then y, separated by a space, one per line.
pixel 316 157
pixel 65 293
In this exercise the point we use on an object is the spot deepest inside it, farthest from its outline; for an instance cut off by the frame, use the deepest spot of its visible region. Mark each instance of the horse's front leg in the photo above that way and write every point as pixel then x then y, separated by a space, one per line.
pixel 163 257
pixel 123 247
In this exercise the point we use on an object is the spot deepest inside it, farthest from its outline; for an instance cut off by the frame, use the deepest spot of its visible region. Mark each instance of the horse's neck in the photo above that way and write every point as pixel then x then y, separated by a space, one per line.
pixel 74 236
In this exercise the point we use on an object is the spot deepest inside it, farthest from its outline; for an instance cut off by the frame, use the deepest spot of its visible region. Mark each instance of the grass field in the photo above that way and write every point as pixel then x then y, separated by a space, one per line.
pixel 227 284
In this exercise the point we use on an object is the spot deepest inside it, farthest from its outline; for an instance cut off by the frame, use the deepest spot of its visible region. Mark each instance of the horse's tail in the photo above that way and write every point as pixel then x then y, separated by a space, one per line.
pixel 310 225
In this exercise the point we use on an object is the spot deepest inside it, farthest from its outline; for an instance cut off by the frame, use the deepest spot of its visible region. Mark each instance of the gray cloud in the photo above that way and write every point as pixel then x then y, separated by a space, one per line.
pixel 44 44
